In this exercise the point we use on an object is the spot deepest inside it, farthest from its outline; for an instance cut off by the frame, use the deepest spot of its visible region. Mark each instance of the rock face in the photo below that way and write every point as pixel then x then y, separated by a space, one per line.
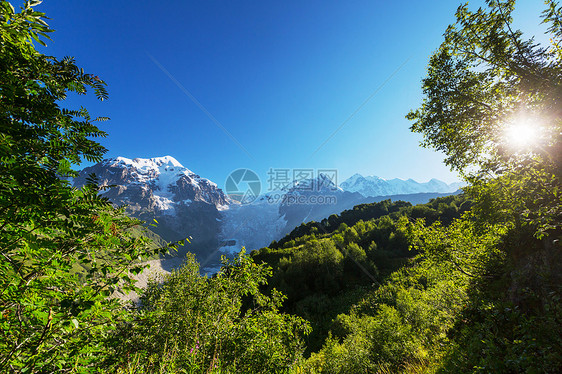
pixel 159 183
pixel 184 204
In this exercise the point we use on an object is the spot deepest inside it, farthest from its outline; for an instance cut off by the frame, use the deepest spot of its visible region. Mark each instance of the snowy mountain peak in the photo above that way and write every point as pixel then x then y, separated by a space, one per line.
pixel 160 183
pixel 376 186
pixel 161 164
pixel 166 160
pixel 373 178
pixel 354 178
pixel 322 182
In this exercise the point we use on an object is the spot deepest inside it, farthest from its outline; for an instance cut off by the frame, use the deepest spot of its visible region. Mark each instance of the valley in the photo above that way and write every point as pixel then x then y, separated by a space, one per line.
pixel 186 205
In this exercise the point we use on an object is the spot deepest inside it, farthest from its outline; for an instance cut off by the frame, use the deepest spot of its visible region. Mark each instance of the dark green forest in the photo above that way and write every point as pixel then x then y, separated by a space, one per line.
pixel 463 284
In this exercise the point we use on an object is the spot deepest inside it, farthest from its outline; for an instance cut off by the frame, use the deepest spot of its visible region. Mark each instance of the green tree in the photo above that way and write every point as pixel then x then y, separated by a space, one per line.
pixel 191 323
pixel 64 250
pixel 492 105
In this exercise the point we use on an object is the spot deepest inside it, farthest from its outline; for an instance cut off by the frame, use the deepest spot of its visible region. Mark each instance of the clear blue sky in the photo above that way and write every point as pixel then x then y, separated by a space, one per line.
pixel 280 76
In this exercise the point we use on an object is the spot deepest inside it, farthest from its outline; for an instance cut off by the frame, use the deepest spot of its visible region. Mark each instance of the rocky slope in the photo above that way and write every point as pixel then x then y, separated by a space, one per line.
pixel 183 203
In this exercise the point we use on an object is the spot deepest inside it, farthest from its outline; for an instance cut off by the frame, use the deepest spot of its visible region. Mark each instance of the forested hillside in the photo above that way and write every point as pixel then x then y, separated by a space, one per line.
pixel 466 283
pixel 325 267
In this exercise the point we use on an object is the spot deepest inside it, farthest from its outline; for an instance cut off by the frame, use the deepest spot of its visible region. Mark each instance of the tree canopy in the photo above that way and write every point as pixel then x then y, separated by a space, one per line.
pixel 64 250
pixel 493 106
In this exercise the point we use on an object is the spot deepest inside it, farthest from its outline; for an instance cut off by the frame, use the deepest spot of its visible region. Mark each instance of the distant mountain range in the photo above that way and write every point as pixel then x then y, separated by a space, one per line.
pixel 376 186
pixel 188 205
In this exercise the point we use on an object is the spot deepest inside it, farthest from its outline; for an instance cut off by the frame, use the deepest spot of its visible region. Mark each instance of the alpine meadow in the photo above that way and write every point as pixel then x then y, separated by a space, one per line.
pixel 465 282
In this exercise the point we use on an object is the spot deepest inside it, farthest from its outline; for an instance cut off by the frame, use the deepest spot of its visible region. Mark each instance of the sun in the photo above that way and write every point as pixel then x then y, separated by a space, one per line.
pixel 522 132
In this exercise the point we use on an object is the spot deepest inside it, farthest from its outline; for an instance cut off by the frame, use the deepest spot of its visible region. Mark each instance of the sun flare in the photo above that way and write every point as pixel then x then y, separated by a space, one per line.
pixel 522 132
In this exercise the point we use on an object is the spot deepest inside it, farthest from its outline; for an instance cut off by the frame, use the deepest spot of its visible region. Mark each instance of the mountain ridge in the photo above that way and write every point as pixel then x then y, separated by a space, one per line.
pixel 371 186
pixel 188 205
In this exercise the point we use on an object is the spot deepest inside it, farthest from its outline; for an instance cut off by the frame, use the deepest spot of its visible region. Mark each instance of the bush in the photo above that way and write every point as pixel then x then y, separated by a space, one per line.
pixel 200 324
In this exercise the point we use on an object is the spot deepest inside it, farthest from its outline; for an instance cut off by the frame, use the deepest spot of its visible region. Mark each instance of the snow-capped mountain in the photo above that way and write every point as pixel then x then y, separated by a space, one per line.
pixel 322 183
pixel 275 213
pixel 318 198
pixel 376 186
pixel 183 203
pixel 160 183
pixel 315 199
pixel 188 205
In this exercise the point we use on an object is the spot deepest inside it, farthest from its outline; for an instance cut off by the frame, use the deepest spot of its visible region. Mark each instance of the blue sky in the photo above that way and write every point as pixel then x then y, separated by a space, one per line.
pixel 280 76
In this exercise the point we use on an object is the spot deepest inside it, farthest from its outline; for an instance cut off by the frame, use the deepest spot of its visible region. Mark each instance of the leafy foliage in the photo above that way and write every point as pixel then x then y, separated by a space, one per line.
pixel 222 323
pixel 326 270
pixel 485 82
pixel 481 295
pixel 53 317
